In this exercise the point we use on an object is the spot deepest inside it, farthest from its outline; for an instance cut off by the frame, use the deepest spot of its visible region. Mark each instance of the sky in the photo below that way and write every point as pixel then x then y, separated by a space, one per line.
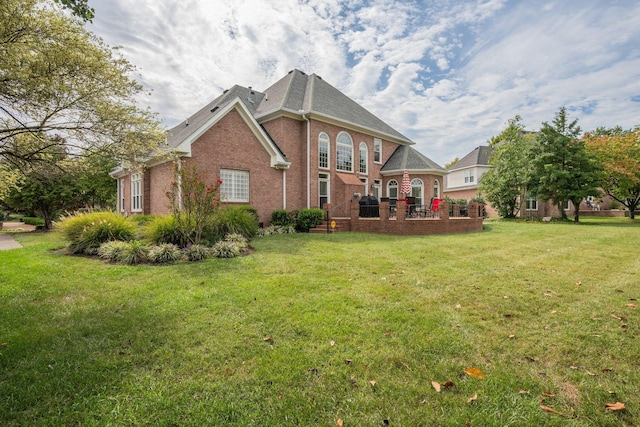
pixel 448 74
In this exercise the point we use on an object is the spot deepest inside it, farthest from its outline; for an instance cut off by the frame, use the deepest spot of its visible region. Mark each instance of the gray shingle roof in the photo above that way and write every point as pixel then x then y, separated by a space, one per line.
pixel 310 93
pixel 293 93
pixel 478 157
pixel 408 158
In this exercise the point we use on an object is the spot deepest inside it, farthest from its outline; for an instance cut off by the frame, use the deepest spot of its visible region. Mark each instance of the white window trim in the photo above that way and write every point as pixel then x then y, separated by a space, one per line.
pixel 328 140
pixel 235 173
pixel 377 142
pixel 420 186
pixel 395 185
pixel 136 192
pixel 342 144
pixel 529 202
pixel 121 195
pixel 436 189
pixel 363 146
pixel 469 176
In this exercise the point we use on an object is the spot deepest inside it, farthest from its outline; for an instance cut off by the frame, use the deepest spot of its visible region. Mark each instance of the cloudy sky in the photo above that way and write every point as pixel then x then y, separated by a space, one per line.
pixel 446 73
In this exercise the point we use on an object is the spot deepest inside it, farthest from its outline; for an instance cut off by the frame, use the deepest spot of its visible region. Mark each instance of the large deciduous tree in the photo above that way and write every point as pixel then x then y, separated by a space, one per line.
pixel 561 168
pixel 65 88
pixel 619 153
pixel 505 183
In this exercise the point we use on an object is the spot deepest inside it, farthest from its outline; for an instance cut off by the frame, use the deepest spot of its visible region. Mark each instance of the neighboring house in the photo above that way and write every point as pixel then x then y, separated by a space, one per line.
pixel 461 181
pixel 298 144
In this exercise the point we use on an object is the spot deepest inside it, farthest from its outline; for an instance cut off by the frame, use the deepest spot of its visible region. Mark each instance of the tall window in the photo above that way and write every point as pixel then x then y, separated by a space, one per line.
pixel 392 189
pixel 468 176
pixel 235 185
pixel 323 151
pixel 417 190
pixel 344 152
pixel 377 150
pixel 136 192
pixel 121 194
pixel 364 154
pixel 436 189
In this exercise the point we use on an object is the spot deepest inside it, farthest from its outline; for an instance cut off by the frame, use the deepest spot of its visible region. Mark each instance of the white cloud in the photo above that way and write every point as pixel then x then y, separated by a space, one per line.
pixel 446 73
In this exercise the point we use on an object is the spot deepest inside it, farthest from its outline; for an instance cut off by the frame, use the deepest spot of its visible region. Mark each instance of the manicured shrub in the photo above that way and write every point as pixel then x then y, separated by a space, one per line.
pixel 196 252
pixel 282 217
pixel 225 249
pixel 165 229
pixel 309 218
pixel 233 219
pixel 87 231
pixel 136 252
pixel 31 220
pixel 164 252
pixel 113 250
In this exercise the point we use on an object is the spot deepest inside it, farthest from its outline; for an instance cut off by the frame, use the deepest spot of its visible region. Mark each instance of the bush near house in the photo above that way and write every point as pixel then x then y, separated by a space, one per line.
pixel 156 239
pixel 302 220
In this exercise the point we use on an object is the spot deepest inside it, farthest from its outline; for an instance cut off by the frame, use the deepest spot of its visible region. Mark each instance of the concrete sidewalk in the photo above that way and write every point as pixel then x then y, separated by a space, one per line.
pixel 6 240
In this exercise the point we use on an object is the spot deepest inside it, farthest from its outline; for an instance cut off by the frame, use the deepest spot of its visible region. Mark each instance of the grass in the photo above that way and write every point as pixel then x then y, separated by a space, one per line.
pixel 295 333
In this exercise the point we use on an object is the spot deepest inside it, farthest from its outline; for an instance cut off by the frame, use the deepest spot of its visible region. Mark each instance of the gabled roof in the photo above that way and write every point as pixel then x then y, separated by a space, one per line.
pixel 408 158
pixel 182 136
pixel 478 157
pixel 298 93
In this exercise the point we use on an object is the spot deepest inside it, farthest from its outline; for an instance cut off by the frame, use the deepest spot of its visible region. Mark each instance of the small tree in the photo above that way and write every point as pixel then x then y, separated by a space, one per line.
pixel 619 153
pixel 505 182
pixel 193 202
pixel 562 170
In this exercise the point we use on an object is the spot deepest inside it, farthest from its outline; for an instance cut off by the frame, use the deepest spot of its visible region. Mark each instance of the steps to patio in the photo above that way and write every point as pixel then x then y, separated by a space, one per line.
pixel 341 224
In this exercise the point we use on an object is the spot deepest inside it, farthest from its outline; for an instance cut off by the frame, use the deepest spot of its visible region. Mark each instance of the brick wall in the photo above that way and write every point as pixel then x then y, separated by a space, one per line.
pixel 418 226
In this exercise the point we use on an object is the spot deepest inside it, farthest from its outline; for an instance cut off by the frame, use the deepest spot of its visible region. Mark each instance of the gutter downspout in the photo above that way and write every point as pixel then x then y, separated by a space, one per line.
pixel 284 189
pixel 304 116
pixel 179 180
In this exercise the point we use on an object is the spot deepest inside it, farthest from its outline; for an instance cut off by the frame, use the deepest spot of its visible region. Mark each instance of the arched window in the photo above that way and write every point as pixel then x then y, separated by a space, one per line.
pixel 392 189
pixel 344 152
pixel 323 151
pixel 363 157
pixel 436 189
pixel 417 190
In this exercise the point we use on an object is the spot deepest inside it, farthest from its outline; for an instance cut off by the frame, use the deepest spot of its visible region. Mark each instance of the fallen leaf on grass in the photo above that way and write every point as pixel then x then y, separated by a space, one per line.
pixel 550 410
pixel 474 373
pixel 436 385
pixel 592 374
pixel 332 343
pixel 548 293
pixel 616 317
pixel 448 384
pixel 267 339
pixel 458 306
pixel 472 398
pixel 618 406
pixel 339 423
pixel 579 283
pixel 512 336
pixel 633 306
pixel 373 383
pixel 547 394
pixel 522 392
pixel 606 369
pixel 530 359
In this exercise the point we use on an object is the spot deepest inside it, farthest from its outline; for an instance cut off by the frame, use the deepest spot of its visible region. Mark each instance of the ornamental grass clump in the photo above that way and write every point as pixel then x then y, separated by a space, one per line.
pixel 235 220
pixel 196 252
pixel 85 232
pixel 164 229
pixel 225 249
pixel 163 253
pixel 112 251
pixel 136 252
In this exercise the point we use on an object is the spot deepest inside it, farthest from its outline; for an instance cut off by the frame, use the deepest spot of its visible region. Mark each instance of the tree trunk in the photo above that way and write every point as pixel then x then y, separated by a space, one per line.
pixel 576 210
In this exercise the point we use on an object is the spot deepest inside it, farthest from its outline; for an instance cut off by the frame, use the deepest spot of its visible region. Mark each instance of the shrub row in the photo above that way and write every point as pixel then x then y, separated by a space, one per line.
pixel 86 232
pixel 302 220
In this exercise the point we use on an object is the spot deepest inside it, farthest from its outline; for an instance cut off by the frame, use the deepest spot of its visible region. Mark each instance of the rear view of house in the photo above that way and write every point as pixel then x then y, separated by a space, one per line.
pixel 301 143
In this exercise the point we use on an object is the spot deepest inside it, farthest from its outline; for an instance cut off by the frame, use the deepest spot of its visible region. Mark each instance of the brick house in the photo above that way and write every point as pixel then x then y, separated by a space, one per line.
pixel 298 144
pixel 463 177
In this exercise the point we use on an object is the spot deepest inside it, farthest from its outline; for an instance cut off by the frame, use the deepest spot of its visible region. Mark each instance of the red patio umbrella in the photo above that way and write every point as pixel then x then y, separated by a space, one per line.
pixel 405 188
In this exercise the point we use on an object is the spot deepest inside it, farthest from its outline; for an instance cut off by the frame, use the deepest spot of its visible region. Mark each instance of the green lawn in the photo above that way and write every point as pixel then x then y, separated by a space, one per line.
pixel 296 333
